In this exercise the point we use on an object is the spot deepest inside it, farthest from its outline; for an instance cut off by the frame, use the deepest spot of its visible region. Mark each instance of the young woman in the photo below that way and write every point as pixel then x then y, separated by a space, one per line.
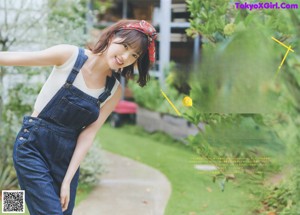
pixel 73 104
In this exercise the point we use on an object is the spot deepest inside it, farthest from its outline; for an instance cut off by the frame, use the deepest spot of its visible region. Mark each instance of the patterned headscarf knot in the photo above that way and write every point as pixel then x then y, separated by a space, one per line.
pixel 149 31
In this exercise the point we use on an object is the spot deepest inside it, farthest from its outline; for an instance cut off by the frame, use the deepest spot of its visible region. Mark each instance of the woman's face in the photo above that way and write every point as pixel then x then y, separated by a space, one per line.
pixel 120 55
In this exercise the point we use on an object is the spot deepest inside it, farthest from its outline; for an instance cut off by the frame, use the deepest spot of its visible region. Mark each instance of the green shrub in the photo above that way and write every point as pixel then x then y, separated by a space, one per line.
pixel 91 168
pixel 150 96
pixel 18 104
pixel 8 178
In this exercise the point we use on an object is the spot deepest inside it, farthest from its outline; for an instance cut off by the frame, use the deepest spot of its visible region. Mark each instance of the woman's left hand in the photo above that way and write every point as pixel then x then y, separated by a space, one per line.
pixel 64 195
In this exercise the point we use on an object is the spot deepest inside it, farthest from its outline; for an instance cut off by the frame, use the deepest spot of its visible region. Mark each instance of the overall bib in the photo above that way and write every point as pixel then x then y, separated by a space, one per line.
pixel 45 144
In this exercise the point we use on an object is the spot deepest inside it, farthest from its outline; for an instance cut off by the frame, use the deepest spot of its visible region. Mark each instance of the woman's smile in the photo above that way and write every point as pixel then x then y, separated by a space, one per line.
pixel 119 62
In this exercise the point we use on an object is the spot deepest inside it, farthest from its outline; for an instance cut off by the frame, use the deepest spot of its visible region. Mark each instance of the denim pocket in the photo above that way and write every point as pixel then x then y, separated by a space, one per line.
pixel 72 115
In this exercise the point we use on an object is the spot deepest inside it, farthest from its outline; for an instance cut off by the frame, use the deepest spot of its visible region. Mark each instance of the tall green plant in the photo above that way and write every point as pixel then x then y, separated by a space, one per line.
pixel 237 64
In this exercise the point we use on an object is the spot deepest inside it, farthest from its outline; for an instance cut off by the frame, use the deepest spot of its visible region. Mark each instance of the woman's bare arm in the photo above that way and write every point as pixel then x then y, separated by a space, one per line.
pixel 55 55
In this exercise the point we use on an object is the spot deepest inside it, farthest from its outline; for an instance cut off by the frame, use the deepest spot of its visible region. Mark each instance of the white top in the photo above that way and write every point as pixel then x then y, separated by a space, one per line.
pixel 57 79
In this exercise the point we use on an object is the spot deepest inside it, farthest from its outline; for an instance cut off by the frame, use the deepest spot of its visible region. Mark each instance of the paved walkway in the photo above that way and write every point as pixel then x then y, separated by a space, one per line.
pixel 128 188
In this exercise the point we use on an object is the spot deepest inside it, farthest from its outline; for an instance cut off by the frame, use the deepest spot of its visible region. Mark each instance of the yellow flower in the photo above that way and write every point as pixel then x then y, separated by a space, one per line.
pixel 187 101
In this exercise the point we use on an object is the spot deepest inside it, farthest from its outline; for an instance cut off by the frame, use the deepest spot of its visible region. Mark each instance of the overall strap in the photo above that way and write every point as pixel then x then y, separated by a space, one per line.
pixel 110 82
pixel 81 58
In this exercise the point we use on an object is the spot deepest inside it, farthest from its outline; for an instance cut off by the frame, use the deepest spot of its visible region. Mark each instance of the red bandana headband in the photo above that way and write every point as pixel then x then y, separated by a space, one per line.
pixel 149 31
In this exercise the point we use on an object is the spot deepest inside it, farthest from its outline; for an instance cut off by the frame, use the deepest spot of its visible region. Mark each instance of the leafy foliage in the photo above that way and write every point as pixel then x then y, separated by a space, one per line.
pixel 67 22
pixel 150 96
pixel 19 102
pixel 208 18
pixel 240 42
pixel 8 179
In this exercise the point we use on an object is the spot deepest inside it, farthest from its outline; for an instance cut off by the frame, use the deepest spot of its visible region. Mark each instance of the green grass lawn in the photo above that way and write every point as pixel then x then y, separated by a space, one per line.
pixel 193 193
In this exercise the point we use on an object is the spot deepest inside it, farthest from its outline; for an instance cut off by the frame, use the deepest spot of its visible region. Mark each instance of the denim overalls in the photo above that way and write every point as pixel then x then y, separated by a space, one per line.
pixel 45 144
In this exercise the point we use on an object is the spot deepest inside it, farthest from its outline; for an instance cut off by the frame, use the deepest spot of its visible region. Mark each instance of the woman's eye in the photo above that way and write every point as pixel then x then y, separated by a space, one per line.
pixel 135 56
pixel 125 46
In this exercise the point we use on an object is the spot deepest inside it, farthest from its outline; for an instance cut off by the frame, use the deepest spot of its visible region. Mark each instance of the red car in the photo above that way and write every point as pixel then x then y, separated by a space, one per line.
pixel 124 111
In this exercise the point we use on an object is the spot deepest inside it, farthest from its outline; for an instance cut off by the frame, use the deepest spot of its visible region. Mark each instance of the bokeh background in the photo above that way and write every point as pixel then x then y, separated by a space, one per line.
pixel 244 120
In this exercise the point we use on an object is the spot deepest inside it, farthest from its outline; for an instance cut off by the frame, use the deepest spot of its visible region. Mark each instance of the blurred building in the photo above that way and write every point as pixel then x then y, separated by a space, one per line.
pixel 170 18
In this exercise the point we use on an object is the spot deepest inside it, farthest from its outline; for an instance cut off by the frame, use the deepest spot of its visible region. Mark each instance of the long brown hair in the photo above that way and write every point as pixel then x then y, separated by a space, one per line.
pixel 133 38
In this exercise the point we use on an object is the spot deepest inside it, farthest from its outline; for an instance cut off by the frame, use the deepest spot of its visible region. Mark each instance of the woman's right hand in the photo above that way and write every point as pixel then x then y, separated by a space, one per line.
pixel 65 195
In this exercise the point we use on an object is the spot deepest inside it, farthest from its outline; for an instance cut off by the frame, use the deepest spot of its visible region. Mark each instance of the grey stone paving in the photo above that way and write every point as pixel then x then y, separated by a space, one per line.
pixel 128 188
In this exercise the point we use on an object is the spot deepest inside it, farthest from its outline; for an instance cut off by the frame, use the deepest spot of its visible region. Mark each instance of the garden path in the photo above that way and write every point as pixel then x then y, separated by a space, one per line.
pixel 127 188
